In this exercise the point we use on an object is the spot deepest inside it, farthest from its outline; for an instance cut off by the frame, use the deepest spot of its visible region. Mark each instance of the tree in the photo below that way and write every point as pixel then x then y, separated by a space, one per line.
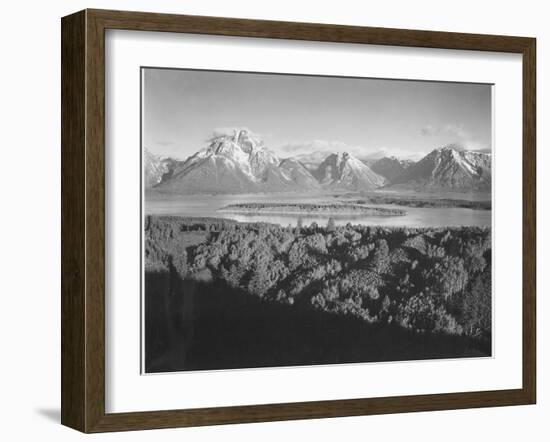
pixel 380 260
pixel 299 226
pixel 477 306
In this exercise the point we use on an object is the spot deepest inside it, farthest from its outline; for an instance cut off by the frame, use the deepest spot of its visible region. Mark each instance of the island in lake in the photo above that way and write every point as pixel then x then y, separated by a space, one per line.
pixel 414 201
pixel 332 210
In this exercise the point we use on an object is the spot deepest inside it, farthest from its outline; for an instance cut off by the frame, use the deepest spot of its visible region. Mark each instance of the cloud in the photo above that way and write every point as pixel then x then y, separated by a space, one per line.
pixel 454 134
pixel 324 146
pixel 428 130
pixel 476 146
pixel 363 152
pixel 225 131
pixel 402 154
pixel 457 130
pixel 222 131
pixel 317 146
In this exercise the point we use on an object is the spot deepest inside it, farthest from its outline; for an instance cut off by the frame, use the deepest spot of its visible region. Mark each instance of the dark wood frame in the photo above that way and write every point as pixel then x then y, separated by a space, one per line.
pixel 83 217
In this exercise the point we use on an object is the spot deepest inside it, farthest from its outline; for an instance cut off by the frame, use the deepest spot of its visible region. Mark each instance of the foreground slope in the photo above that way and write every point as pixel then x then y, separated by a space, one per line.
pixel 221 294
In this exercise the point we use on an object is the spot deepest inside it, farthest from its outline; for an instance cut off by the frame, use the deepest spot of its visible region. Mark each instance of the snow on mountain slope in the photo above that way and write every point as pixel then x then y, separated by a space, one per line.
pixel 449 168
pixel 154 168
pixel 235 163
pixel 298 173
pixel 344 171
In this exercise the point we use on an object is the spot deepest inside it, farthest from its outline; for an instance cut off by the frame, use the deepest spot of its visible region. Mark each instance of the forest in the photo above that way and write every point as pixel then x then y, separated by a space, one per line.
pixel 415 292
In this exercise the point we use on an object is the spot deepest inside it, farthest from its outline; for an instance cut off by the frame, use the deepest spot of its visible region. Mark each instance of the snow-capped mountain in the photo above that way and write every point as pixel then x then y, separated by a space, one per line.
pixel 237 163
pixel 448 168
pixel 299 173
pixel 154 168
pixel 389 167
pixel 344 171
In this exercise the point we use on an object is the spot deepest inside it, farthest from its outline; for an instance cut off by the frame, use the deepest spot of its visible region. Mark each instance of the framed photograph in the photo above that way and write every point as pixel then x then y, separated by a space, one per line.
pixel 269 220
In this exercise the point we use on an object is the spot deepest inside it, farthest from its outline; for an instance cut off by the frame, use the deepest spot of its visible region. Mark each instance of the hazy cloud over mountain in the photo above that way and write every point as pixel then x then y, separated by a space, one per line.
pixel 319 146
pixel 456 134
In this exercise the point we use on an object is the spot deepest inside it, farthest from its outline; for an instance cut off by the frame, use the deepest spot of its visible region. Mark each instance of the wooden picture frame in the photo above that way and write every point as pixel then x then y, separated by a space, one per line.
pixel 83 220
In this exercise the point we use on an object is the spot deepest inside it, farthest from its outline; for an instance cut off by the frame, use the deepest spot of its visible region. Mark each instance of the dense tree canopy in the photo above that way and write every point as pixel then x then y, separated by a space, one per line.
pixel 428 280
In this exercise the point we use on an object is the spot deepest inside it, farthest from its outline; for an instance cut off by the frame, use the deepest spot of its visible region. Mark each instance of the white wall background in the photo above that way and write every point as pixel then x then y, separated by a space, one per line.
pixel 30 219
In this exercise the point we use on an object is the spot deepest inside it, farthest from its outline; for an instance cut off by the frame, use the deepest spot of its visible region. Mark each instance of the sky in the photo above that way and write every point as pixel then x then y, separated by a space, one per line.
pixel 294 115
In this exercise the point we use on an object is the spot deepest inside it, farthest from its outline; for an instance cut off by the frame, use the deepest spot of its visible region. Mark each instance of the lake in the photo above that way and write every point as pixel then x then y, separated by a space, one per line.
pixel 208 205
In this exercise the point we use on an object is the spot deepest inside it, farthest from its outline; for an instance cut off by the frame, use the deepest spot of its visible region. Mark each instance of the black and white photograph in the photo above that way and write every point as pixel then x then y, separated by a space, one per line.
pixel 300 220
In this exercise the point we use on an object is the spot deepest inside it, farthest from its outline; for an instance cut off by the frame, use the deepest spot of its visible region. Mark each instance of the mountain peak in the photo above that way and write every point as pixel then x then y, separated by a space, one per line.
pixel 450 167
pixel 238 139
pixel 342 170
pixel 237 161
pixel 450 147
pixel 339 158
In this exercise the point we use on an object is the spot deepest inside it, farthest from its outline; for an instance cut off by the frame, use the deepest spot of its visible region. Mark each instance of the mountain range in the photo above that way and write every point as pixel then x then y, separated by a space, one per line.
pixel 241 163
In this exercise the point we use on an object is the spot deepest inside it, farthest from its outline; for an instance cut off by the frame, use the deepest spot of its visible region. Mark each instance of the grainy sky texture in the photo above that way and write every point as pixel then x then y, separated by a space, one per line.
pixel 300 114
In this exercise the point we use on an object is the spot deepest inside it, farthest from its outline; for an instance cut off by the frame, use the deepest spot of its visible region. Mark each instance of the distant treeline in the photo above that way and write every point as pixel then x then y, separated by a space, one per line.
pixel 312 208
pixel 434 203
pixel 435 280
